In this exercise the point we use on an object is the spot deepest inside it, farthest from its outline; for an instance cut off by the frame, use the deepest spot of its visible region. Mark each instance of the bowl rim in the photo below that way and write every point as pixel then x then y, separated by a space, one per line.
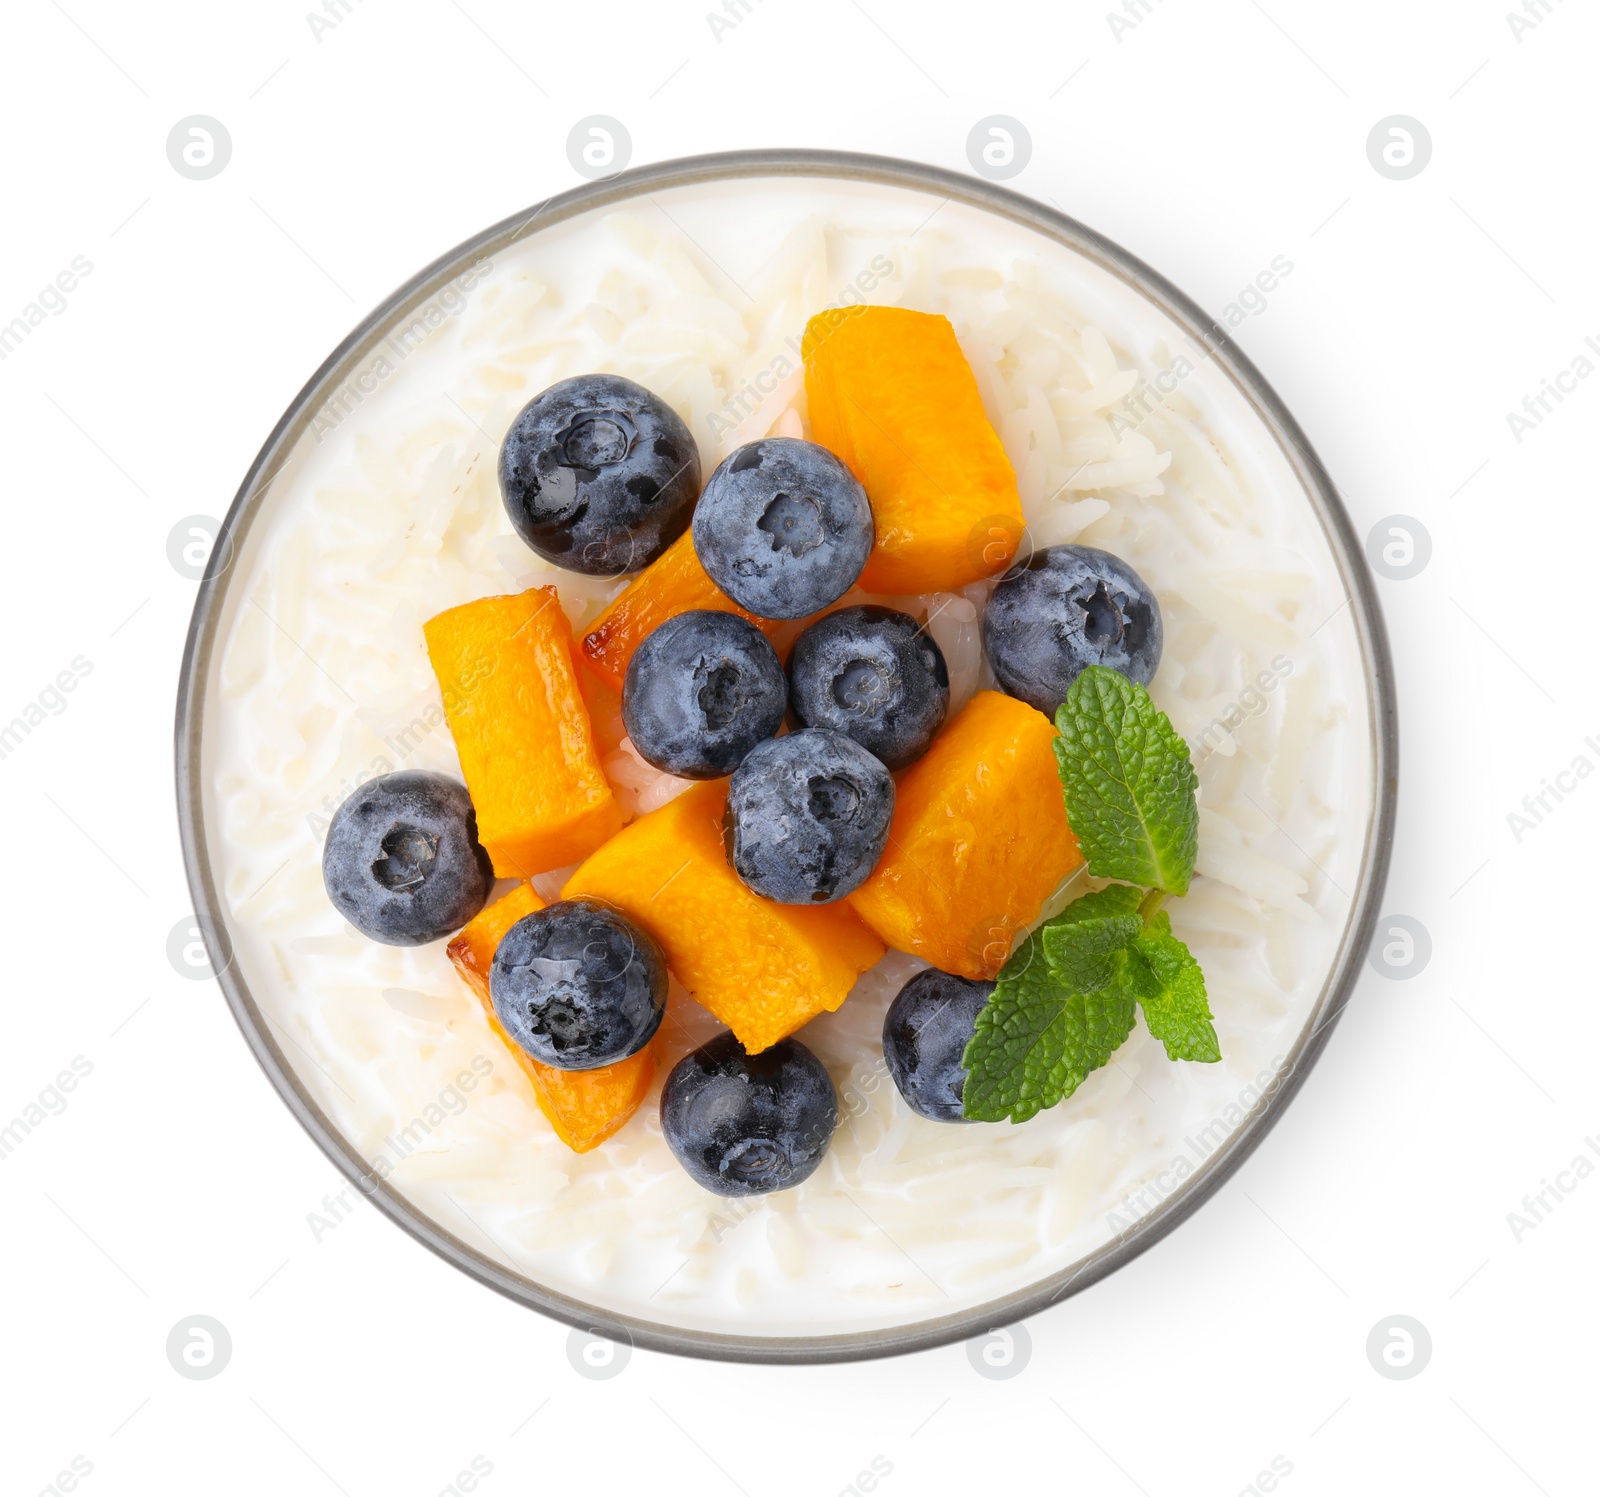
pixel 1372 639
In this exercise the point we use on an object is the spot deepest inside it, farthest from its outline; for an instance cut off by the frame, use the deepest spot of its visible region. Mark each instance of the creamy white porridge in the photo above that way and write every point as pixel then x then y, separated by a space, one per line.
pixel 1122 436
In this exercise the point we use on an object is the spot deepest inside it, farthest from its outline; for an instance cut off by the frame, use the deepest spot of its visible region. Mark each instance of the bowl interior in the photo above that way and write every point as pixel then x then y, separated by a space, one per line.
pixel 373 505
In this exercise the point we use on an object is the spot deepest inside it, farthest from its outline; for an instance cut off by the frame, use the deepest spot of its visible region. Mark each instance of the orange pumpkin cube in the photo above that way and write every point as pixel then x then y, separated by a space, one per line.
pixel 472 951
pixel 522 730
pixel 979 840
pixel 673 583
pixel 604 703
pixel 584 1107
pixel 892 395
pixel 763 969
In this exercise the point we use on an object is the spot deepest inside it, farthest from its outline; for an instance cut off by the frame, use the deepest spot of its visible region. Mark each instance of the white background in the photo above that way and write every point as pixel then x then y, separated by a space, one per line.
pixel 1209 138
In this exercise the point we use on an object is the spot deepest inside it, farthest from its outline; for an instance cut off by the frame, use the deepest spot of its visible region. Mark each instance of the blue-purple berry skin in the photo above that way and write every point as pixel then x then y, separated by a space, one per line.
pixel 783 528
pixel 925 1034
pixel 701 691
pixel 402 861
pixel 875 675
pixel 599 475
pixel 578 985
pixel 747 1125
pixel 1063 609
pixel 807 817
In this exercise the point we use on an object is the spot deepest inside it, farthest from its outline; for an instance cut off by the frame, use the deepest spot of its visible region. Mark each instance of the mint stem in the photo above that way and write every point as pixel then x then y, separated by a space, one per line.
pixel 1150 904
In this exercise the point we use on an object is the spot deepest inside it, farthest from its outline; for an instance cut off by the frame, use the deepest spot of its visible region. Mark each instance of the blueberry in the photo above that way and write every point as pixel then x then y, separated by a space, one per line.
pixel 578 986
pixel 1065 608
pixel 402 862
pixel 925 1034
pixel 807 816
pixel 783 528
pixel 743 1125
pixel 599 475
pixel 701 691
pixel 874 675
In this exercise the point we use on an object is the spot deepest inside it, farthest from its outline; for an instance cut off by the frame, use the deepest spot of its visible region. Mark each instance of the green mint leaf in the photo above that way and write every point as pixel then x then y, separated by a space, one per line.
pixel 1115 899
pixel 1129 783
pixel 1059 1010
pixel 1083 953
pixel 1171 989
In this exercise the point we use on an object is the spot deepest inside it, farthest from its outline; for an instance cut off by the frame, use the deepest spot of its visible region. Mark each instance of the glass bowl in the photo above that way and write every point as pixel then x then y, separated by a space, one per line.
pixel 356 368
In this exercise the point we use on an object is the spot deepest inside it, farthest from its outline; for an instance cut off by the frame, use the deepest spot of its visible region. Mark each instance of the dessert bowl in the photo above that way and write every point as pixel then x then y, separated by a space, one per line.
pixel 1132 422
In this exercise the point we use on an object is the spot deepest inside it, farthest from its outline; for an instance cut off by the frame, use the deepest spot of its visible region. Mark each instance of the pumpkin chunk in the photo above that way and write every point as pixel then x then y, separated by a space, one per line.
pixel 673 583
pixel 979 840
pixel 892 395
pixel 763 969
pixel 584 1107
pixel 522 730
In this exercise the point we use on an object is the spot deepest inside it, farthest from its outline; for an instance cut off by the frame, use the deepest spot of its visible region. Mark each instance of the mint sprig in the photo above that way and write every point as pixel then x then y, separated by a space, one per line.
pixel 1057 1013
pixel 1171 990
pixel 1129 783
pixel 1066 999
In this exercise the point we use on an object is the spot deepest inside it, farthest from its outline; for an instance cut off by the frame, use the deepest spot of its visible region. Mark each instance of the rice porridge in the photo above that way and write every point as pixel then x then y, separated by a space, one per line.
pixel 1122 435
